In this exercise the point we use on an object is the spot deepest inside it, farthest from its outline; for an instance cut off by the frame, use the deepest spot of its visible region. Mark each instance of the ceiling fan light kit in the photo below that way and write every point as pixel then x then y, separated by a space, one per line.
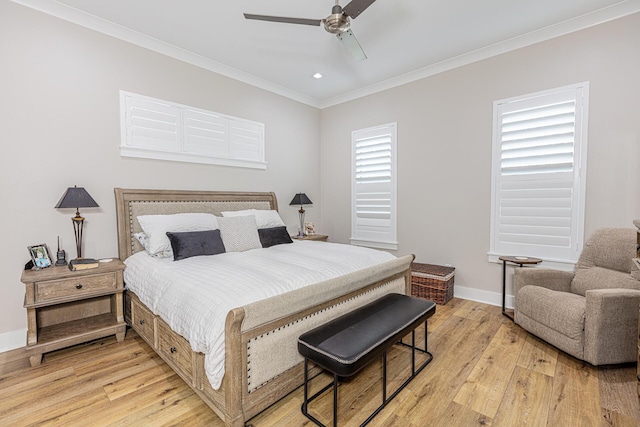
pixel 337 23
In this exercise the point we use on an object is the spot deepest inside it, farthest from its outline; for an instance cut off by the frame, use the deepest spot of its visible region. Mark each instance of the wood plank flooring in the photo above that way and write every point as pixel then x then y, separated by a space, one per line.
pixel 486 371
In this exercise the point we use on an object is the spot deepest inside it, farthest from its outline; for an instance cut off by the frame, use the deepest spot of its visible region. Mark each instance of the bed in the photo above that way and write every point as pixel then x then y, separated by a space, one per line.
pixel 261 362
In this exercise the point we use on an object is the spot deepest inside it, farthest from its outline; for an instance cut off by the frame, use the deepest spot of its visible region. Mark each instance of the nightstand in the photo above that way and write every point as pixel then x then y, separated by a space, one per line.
pixel 318 237
pixel 66 308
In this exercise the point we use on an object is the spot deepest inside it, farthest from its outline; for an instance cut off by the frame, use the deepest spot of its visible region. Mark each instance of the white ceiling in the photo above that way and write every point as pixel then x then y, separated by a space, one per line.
pixel 403 39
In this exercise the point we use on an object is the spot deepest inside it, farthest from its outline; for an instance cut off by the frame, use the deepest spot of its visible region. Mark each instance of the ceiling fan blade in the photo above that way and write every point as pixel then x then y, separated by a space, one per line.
pixel 303 21
pixel 351 43
pixel 356 7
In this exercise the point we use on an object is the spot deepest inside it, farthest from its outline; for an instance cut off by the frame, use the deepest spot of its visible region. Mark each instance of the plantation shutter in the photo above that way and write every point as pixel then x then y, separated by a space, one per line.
pixel 245 139
pixel 152 124
pixel 157 129
pixel 374 187
pixel 205 133
pixel 538 192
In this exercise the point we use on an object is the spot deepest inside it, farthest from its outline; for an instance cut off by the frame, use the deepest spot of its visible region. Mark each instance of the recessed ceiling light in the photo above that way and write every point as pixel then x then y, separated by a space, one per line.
pixel 317 76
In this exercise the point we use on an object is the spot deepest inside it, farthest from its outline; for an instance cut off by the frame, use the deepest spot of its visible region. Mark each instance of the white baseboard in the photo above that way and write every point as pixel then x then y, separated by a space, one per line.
pixel 487 297
pixel 12 340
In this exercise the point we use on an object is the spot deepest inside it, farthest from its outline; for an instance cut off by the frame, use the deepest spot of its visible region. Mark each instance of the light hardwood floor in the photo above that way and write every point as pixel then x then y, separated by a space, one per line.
pixel 486 371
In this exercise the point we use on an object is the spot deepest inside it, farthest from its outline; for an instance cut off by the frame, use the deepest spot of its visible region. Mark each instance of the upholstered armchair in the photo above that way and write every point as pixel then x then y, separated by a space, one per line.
pixel 591 313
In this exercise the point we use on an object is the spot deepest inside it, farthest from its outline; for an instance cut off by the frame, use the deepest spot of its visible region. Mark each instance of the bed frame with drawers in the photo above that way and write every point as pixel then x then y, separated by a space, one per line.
pixel 254 378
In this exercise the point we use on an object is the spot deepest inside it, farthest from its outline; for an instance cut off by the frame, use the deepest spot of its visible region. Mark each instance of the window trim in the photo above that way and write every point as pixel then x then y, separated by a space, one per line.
pixel 581 91
pixel 129 149
pixel 391 243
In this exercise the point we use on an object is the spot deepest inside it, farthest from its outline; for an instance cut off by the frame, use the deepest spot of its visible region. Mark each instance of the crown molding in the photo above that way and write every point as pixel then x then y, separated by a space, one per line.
pixel 67 13
pixel 600 16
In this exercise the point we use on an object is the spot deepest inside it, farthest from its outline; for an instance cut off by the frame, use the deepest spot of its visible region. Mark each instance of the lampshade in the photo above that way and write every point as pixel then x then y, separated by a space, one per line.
pixel 76 197
pixel 300 199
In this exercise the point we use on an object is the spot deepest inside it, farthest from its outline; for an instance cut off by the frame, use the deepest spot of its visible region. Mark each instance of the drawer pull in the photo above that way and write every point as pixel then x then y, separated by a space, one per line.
pixel 142 321
pixel 173 350
pixel 79 286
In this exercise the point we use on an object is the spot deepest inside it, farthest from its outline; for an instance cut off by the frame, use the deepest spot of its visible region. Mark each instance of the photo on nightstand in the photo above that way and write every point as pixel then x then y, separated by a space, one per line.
pixel 40 255
pixel 309 228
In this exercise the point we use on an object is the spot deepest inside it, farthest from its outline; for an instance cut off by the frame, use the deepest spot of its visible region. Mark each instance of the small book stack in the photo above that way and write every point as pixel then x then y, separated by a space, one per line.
pixel 83 264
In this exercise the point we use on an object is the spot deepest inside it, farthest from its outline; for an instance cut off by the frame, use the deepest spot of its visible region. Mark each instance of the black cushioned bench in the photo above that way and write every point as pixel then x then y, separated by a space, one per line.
pixel 350 342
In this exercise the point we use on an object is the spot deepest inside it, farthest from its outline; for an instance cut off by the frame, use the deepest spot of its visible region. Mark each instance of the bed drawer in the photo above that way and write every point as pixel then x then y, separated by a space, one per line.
pixel 177 349
pixel 76 287
pixel 143 321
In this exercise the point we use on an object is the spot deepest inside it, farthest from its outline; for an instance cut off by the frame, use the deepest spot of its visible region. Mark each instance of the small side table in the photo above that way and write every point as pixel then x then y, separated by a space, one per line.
pixel 319 237
pixel 519 260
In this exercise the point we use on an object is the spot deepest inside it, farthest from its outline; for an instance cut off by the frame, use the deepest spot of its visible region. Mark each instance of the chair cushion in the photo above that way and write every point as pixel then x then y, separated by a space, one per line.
pixel 562 312
pixel 586 279
pixel 611 248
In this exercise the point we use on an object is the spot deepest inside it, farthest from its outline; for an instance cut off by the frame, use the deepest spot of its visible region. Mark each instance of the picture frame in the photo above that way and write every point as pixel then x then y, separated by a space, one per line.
pixel 40 256
pixel 309 229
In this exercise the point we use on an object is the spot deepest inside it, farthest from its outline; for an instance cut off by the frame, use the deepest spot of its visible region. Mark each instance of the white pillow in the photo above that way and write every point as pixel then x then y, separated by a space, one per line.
pixel 239 233
pixel 264 218
pixel 144 241
pixel 156 227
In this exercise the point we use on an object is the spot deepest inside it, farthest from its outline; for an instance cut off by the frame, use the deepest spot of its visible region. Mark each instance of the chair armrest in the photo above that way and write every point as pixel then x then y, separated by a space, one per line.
pixel 556 280
pixel 611 326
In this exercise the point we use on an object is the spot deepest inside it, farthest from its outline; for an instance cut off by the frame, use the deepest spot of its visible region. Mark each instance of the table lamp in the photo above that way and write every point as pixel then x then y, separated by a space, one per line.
pixel 77 197
pixel 301 199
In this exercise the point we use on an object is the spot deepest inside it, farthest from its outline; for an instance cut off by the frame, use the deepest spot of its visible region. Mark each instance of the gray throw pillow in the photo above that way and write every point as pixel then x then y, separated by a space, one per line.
pixel 239 233
pixel 195 243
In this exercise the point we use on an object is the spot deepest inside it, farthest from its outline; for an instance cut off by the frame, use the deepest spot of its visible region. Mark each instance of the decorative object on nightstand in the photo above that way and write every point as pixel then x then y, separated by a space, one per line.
pixel 77 197
pixel 300 199
pixel 66 308
pixel 40 257
pixel 317 237
pixel 309 228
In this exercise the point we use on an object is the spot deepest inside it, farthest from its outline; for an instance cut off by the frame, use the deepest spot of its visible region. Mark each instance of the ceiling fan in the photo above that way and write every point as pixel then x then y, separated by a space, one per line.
pixel 337 23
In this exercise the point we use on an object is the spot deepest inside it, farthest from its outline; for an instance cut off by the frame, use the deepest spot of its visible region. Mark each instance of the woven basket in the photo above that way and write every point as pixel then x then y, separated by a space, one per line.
pixel 432 282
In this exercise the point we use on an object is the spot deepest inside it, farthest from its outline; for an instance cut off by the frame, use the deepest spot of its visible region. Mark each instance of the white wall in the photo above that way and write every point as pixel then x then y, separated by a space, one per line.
pixel 59 124
pixel 444 146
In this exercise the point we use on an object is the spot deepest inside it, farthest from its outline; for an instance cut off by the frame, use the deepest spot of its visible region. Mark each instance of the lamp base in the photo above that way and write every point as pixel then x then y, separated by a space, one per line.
pixel 78 224
pixel 301 226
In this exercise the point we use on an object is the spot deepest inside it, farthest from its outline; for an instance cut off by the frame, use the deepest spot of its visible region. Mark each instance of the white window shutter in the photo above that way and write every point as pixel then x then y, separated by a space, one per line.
pixel 374 187
pixel 157 129
pixel 538 174
pixel 246 139
pixel 205 133
pixel 152 125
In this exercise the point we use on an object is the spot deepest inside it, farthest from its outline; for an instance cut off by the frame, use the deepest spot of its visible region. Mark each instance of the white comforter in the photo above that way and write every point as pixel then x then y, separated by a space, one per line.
pixel 194 295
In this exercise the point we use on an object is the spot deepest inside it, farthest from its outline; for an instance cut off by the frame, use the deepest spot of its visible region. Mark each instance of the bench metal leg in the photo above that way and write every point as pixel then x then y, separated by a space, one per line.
pixel 384 377
pixel 307 399
pixel 385 400
pixel 335 400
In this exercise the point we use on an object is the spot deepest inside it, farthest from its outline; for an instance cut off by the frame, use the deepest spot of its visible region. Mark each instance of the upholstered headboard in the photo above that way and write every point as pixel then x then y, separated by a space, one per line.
pixel 131 203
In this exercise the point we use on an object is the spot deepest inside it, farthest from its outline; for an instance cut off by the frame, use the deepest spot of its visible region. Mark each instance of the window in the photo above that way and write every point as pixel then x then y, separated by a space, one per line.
pixel 373 206
pixel 157 129
pixel 539 174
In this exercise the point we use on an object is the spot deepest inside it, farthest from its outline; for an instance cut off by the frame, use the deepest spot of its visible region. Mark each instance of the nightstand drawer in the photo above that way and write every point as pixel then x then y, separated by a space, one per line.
pixel 80 286
pixel 143 321
pixel 177 349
